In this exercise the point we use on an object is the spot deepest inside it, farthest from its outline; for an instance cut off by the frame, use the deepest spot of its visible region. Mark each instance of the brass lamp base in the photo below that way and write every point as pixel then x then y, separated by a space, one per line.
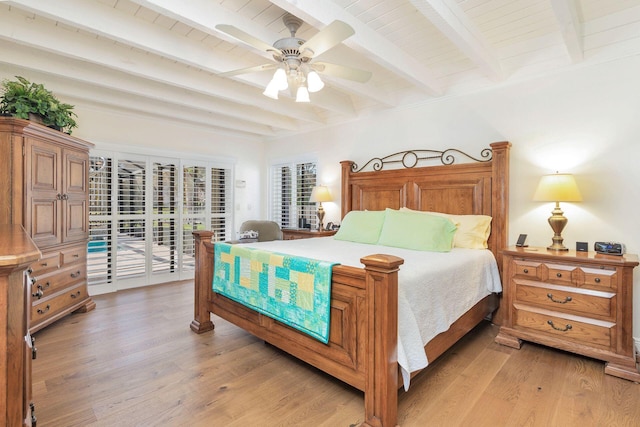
pixel 557 221
pixel 320 217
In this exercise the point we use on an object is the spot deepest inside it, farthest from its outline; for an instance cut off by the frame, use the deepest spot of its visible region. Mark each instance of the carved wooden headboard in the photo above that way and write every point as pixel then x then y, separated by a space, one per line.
pixel 478 187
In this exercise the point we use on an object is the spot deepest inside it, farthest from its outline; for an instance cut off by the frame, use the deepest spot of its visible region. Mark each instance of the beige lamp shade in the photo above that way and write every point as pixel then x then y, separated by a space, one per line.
pixel 320 194
pixel 559 187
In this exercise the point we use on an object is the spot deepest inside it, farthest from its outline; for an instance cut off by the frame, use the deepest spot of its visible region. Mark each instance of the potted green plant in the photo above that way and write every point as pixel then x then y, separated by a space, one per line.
pixel 23 99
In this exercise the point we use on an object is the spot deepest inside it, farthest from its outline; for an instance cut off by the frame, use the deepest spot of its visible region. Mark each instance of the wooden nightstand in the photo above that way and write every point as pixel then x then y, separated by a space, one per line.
pixel 575 301
pixel 304 233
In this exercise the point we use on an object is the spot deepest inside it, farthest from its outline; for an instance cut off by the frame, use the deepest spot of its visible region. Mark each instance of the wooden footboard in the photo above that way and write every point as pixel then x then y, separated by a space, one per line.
pixel 362 349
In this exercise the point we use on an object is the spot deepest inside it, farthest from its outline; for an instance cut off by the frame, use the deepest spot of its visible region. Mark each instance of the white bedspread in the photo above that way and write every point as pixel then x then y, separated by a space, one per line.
pixel 434 289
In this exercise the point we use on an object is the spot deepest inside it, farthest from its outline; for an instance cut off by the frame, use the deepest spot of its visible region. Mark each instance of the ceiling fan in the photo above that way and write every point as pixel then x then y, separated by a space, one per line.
pixel 295 66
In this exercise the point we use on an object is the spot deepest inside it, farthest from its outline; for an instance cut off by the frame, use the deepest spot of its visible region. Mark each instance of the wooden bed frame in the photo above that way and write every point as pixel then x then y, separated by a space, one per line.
pixel 364 301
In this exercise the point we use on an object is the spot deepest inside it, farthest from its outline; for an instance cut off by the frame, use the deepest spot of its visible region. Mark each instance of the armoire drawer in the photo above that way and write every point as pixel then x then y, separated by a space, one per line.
pixel 48 284
pixel 45 308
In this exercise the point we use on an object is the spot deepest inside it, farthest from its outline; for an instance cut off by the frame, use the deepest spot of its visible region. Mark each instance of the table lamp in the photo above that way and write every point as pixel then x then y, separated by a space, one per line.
pixel 320 194
pixel 558 187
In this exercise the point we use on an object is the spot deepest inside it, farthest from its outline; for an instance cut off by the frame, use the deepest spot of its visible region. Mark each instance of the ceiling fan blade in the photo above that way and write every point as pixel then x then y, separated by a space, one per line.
pixel 328 37
pixel 342 72
pixel 255 69
pixel 237 33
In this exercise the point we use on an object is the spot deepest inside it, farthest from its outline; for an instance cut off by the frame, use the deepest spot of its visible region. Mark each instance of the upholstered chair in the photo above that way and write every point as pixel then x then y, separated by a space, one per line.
pixel 267 230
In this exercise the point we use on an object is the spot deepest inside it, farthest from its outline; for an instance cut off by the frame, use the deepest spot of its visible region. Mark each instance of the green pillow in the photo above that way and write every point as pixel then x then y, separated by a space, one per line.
pixel 361 227
pixel 418 231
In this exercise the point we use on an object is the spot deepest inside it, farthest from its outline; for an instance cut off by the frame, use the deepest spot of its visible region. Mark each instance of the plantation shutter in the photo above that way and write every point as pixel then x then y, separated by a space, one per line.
pixel 221 207
pixel 131 220
pixel 164 244
pixel 291 186
pixel 100 247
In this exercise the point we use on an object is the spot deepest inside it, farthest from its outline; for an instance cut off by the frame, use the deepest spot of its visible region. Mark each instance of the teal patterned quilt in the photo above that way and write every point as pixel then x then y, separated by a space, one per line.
pixel 293 290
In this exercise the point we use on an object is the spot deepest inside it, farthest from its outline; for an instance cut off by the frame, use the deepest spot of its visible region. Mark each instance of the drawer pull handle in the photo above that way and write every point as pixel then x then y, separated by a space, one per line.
pixel 34 350
pixel 76 274
pixel 33 280
pixel 76 255
pixel 566 300
pixel 29 270
pixel 46 286
pixel 597 280
pixel 526 271
pixel 38 294
pixel 558 274
pixel 75 295
pixel 44 310
pixel 566 328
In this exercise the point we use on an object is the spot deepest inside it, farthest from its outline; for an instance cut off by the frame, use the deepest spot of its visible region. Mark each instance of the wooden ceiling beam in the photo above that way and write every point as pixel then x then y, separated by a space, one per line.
pixel 570 27
pixel 454 24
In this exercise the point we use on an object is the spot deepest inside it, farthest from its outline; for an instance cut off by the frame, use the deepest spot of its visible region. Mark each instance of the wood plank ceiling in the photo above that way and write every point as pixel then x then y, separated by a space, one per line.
pixel 161 58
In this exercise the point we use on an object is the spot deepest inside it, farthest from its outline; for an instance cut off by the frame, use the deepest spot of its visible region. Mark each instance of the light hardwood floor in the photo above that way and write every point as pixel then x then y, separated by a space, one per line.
pixel 134 362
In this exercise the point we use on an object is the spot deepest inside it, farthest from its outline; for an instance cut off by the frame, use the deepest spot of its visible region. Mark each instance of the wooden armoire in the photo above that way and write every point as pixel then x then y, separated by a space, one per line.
pixel 45 187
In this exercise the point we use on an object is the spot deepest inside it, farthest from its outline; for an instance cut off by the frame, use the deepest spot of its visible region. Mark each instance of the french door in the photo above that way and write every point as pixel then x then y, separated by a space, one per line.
pixel 142 212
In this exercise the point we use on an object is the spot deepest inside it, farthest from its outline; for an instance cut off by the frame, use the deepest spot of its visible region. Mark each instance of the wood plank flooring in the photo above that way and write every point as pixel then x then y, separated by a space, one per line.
pixel 134 362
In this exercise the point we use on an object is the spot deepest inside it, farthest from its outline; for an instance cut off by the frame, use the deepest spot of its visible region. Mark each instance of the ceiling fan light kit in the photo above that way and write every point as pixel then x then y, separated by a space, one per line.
pixel 294 55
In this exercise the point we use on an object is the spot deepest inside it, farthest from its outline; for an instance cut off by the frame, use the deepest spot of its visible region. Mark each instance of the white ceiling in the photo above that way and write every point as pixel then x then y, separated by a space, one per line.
pixel 161 57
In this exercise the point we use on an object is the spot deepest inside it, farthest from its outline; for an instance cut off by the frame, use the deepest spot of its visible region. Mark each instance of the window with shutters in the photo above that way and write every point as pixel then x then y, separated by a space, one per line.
pixel 291 186
pixel 142 212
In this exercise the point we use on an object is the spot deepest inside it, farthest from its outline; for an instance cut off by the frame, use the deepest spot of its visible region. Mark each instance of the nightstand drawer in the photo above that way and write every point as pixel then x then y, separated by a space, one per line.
pixel 600 278
pixel 561 298
pixel 562 274
pixel 580 330
pixel 530 269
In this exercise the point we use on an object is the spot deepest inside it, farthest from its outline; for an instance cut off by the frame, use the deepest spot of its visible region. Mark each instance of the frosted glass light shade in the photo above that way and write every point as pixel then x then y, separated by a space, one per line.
pixel 302 95
pixel 280 79
pixel 271 90
pixel 314 83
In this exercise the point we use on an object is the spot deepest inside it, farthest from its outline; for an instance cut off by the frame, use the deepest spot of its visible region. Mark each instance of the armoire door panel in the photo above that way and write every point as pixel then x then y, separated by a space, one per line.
pixel 77 223
pixel 45 167
pixel 75 172
pixel 45 222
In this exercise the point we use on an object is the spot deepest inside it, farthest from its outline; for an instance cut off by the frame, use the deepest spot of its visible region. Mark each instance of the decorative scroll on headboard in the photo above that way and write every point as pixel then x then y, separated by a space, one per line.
pixel 411 158
pixel 448 184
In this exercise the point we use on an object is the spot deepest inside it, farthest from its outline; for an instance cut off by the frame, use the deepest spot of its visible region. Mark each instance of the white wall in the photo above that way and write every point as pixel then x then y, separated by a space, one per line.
pixel 585 121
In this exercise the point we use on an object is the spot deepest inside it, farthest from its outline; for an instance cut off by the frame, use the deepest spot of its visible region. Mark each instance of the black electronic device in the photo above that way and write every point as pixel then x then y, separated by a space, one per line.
pixel 609 248
pixel 521 239
pixel 582 246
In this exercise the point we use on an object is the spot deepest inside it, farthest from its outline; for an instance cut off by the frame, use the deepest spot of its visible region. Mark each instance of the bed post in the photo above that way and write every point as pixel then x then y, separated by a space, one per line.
pixel 499 208
pixel 202 283
pixel 500 198
pixel 346 187
pixel 381 383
